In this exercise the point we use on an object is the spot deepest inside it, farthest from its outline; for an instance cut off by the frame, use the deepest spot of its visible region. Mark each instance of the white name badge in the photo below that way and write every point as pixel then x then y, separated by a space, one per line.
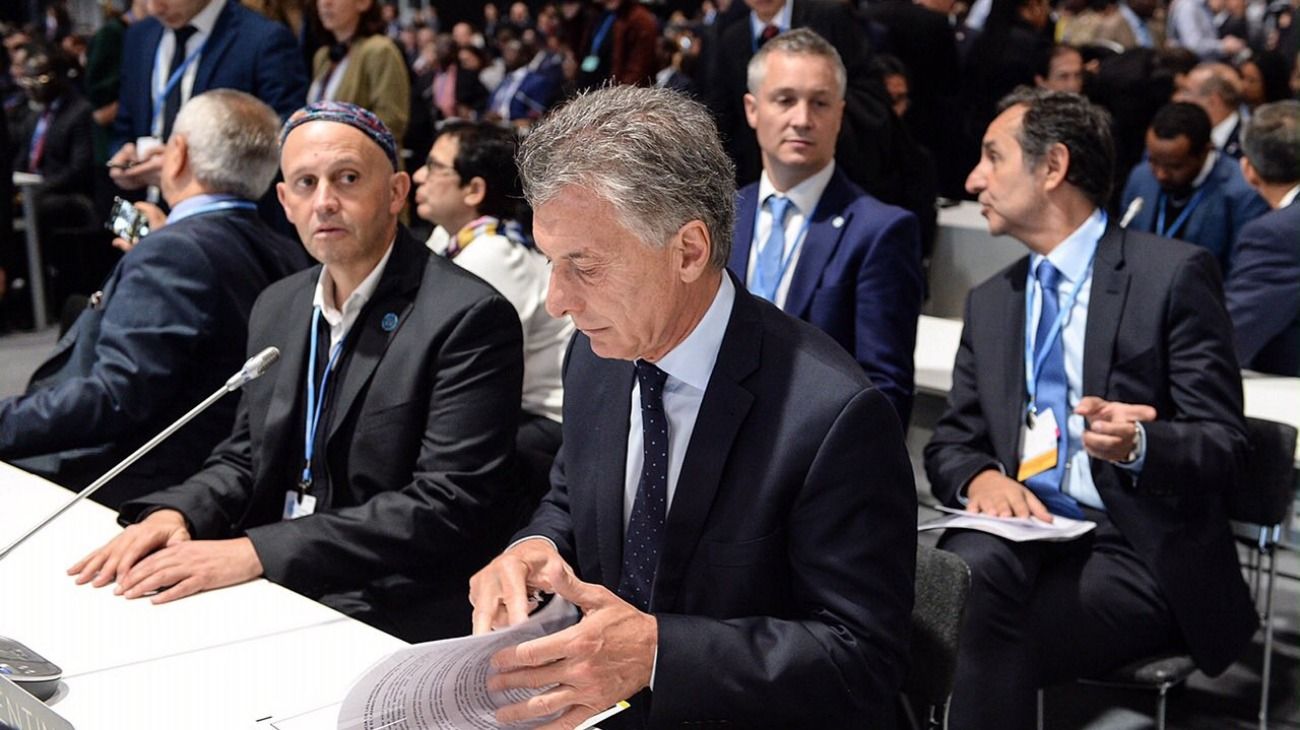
pixel 1039 439
pixel 295 508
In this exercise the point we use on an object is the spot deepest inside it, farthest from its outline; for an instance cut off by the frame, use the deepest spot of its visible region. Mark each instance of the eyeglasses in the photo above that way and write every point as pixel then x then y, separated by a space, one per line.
pixel 434 167
pixel 28 82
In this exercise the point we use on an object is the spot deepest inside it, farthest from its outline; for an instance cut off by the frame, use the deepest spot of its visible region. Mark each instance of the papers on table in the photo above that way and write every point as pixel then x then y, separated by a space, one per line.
pixel 1017 529
pixel 443 684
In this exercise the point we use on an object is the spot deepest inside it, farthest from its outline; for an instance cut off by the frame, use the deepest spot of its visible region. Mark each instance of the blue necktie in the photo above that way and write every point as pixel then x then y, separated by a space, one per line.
pixel 1052 394
pixel 645 528
pixel 767 274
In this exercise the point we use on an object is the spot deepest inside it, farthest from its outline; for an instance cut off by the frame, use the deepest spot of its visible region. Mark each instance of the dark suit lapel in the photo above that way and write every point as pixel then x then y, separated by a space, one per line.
pixel 289 383
pixel 725 406
pixel 1010 360
pixel 606 474
pixel 223 35
pixel 1105 306
pixel 824 235
pixel 393 297
pixel 746 205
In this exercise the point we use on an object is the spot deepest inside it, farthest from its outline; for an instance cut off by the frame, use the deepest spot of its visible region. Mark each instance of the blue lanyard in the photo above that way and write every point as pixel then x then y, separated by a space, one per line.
pixel 213 207
pixel 1033 366
pixel 175 78
pixel 314 402
pixel 1182 217
pixel 798 241
pixel 601 32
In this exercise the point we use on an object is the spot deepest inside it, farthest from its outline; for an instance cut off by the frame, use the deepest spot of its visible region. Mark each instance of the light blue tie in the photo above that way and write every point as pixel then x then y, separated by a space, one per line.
pixel 767 274
pixel 1053 393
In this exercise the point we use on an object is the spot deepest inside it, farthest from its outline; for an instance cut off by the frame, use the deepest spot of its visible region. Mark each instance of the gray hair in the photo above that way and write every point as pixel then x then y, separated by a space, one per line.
pixel 1219 80
pixel 233 142
pixel 800 42
pixel 1272 141
pixel 653 154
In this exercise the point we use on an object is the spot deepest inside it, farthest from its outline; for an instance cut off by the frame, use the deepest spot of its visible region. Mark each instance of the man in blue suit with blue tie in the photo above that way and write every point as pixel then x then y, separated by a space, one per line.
pixel 840 259
pixel 184 49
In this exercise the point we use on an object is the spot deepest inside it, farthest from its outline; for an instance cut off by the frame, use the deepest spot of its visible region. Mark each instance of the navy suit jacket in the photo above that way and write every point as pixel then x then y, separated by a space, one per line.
pixel 1229 203
pixel 858 279
pixel 1157 334
pixel 245 52
pixel 418 449
pixel 785 580
pixel 169 331
pixel 1263 292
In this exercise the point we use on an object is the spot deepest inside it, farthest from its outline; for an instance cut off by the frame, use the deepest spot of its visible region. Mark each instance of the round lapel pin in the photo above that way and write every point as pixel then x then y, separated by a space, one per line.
pixel 389 323
pixel 838 222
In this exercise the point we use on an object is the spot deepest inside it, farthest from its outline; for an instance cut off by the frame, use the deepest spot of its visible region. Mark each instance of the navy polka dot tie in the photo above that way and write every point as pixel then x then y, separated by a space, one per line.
pixel 645 529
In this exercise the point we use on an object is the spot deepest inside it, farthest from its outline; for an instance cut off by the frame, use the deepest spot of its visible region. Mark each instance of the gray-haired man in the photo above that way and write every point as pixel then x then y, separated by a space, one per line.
pixel 170 323
pixel 732 507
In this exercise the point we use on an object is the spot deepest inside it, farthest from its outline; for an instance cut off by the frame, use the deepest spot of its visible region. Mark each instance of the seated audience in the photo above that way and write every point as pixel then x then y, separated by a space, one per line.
pixel 361 65
pixel 615 42
pixel 1190 25
pixel 1130 416
pixel 1264 79
pixel 732 491
pixel 370 468
pixel 1063 70
pixel 1263 289
pixel 55 140
pixel 1189 190
pixel 1216 88
pixel 810 241
pixel 529 88
pixel 165 331
pixel 470 189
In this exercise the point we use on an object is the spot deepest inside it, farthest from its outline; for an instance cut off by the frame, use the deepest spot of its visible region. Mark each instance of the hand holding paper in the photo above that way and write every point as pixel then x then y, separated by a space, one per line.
pixel 606 657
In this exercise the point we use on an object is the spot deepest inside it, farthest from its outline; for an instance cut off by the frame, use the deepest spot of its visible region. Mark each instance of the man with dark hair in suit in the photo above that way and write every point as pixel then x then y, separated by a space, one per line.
pixel 810 241
pixel 371 469
pixel 1095 379
pixel 1189 190
pixel 1263 290
pixel 185 48
pixel 732 506
pixel 167 328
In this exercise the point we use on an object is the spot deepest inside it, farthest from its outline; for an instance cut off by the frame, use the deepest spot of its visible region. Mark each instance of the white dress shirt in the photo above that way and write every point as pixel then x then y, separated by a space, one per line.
pixel 803 198
pixel 1223 130
pixel 341 320
pixel 781 20
pixel 203 23
pixel 689 366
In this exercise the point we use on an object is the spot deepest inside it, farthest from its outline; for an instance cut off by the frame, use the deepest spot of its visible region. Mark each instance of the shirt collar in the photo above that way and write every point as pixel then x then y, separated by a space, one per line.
pixel 206 20
pixel 324 296
pixel 692 360
pixel 781 20
pixel 1206 169
pixel 1223 130
pixel 804 195
pixel 1289 197
pixel 1072 256
pixel 186 207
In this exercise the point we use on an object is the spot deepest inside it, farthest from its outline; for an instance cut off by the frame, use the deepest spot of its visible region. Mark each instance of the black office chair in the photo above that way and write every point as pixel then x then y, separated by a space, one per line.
pixel 942 584
pixel 1258 508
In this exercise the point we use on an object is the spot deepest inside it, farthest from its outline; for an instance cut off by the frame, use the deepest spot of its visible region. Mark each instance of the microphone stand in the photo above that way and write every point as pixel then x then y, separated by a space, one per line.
pixel 254 368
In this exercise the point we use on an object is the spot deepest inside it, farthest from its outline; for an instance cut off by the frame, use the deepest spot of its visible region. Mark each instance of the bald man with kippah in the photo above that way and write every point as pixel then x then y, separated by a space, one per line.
pixel 368 470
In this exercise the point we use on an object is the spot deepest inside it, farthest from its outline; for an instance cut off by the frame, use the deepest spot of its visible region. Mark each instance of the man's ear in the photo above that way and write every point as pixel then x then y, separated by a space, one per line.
pixel 1057 164
pixel 751 110
pixel 1249 172
pixel 696 248
pixel 180 158
pixel 475 192
pixel 401 187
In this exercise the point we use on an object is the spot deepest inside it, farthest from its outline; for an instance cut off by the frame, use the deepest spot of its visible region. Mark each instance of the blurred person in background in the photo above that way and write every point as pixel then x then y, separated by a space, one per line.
pixel 361 65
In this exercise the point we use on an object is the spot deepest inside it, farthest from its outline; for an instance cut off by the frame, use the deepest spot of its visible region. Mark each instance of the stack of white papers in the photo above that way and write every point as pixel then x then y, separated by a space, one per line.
pixel 1016 529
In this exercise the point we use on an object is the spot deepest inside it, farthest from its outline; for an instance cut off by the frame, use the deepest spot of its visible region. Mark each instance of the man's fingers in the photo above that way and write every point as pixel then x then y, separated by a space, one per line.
pixel 515 585
pixel 539 651
pixel 1120 429
pixel 546 703
pixel 1144 413
pixel 186 587
pixel 1036 507
pixel 526 678
pixel 583 595
pixel 570 719
pixel 1088 405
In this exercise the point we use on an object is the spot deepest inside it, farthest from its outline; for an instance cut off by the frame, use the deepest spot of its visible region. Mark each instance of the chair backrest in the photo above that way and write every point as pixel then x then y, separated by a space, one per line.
pixel 1266 486
pixel 942 584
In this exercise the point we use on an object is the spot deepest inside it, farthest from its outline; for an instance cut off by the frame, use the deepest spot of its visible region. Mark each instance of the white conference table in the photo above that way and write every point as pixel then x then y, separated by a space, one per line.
pixel 937 339
pixel 221 660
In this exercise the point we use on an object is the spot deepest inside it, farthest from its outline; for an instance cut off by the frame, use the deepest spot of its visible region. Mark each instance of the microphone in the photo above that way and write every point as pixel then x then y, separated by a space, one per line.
pixel 1133 209
pixel 254 368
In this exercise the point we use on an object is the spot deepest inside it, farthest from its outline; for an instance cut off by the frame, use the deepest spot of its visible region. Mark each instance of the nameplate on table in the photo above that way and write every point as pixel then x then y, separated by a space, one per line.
pixel 21 711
